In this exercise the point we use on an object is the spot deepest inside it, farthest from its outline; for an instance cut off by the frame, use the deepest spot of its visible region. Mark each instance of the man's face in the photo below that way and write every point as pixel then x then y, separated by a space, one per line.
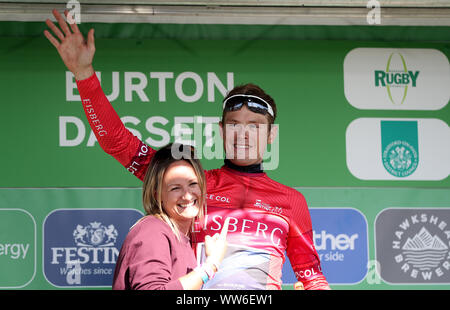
pixel 245 135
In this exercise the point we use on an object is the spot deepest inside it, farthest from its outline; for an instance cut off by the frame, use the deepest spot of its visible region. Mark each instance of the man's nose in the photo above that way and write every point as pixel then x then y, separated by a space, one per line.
pixel 241 132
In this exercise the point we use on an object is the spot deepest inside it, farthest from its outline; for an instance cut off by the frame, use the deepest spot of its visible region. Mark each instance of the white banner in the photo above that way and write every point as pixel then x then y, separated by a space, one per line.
pixel 397 79
pixel 398 149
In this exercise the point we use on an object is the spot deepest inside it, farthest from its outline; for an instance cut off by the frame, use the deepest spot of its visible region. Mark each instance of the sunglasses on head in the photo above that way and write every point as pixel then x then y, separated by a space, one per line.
pixel 254 104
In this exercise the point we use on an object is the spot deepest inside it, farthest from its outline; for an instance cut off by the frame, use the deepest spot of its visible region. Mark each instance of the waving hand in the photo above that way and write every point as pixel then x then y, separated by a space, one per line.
pixel 76 53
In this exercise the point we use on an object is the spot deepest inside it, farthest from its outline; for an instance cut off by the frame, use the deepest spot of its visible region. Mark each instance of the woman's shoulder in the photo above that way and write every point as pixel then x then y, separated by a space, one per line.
pixel 149 226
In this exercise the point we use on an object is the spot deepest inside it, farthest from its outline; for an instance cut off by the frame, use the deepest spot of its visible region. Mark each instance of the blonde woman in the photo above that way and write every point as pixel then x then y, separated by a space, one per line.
pixel 157 252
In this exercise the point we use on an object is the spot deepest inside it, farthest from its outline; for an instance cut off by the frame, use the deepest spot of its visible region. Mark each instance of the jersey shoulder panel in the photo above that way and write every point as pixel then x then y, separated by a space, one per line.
pixel 295 198
pixel 298 217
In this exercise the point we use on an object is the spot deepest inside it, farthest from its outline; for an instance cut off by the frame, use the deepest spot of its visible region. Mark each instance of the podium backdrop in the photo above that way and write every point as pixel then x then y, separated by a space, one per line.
pixel 363 120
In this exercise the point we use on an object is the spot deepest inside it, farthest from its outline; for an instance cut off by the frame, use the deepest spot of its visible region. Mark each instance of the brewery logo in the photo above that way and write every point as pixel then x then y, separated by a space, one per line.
pixel 81 246
pixel 424 251
pixel 419 245
pixel 420 253
pixel 400 147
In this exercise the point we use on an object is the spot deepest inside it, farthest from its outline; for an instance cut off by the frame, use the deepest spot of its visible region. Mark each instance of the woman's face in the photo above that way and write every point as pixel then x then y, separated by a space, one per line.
pixel 181 192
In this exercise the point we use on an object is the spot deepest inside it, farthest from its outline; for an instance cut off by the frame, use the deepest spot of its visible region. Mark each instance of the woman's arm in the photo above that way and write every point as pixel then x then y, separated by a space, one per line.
pixel 145 263
pixel 215 248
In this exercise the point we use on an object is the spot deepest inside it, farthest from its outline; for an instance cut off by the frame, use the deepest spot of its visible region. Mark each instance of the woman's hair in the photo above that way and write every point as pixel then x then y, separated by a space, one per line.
pixel 153 181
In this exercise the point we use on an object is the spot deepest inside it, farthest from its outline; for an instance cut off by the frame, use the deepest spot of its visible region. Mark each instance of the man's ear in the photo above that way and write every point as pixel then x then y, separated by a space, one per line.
pixel 273 133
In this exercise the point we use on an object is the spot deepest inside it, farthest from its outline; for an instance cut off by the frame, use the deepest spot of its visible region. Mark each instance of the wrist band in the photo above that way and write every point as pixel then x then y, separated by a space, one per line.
pixel 202 273
pixel 208 268
pixel 205 271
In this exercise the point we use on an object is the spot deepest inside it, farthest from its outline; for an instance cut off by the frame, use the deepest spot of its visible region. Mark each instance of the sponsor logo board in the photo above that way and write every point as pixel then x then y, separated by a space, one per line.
pixel 398 149
pixel 341 240
pixel 413 245
pixel 81 246
pixel 17 248
pixel 397 79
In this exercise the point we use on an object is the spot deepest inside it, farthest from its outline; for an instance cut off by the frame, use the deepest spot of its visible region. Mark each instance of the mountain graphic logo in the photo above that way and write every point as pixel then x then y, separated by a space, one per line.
pixel 424 251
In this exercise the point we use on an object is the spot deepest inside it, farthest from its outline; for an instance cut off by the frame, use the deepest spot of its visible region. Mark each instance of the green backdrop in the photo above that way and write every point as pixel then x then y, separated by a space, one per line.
pixel 300 66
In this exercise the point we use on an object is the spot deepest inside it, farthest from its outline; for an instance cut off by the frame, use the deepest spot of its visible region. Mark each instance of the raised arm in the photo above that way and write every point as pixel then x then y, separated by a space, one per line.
pixel 78 54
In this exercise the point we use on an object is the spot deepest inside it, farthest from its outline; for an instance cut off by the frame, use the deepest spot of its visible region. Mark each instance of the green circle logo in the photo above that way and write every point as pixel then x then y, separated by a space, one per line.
pixel 400 158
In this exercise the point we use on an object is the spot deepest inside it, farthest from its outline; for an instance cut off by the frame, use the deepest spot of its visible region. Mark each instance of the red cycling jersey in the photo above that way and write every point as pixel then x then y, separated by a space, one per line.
pixel 267 219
